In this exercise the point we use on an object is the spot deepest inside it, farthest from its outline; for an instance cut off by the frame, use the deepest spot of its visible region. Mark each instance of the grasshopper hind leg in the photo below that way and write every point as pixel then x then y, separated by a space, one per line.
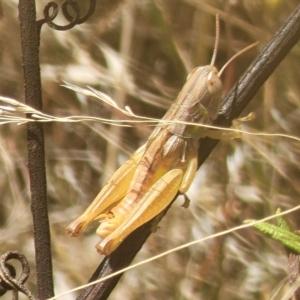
pixel 111 194
pixel 153 202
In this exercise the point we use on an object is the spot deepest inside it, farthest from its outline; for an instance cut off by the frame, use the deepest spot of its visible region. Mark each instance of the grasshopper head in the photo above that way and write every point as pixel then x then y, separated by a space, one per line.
pixel 205 86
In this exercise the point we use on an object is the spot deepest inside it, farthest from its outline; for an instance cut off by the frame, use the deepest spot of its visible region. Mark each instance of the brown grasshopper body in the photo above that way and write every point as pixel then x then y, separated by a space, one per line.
pixel 146 184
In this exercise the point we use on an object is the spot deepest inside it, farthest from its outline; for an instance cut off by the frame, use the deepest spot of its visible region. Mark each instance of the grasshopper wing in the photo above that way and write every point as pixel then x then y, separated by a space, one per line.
pixel 112 193
pixel 153 202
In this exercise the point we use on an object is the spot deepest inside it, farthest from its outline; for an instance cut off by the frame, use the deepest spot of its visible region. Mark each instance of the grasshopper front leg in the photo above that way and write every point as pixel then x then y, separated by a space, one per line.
pixel 221 134
pixel 111 194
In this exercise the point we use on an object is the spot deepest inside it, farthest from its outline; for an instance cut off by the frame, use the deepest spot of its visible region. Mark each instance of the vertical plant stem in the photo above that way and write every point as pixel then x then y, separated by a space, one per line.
pixel 36 153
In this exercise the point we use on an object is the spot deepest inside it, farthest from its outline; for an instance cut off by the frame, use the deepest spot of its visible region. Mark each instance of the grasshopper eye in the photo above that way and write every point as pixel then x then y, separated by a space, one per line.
pixel 214 84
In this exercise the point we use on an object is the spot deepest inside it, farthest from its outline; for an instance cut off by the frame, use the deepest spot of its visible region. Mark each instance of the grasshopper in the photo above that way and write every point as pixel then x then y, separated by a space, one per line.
pixel 147 183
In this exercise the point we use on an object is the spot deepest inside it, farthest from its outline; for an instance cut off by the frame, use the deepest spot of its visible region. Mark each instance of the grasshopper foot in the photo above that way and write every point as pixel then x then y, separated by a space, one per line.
pixel 225 134
pixel 186 202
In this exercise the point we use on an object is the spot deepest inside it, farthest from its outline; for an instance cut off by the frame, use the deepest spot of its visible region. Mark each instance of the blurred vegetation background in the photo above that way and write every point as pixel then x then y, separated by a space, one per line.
pixel 139 53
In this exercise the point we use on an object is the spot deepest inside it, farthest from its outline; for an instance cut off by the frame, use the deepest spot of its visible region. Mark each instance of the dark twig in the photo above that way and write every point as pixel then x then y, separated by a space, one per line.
pixel 8 274
pixel 36 152
pixel 113 262
pixel 30 34
pixel 241 94
pixel 51 11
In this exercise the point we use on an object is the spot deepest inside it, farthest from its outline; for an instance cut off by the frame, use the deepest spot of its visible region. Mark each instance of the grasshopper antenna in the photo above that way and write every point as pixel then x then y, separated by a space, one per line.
pixel 213 59
pixel 235 56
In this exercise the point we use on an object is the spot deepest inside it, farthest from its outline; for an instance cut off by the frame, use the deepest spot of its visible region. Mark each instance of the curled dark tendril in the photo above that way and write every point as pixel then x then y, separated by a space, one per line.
pixel 70 10
pixel 8 274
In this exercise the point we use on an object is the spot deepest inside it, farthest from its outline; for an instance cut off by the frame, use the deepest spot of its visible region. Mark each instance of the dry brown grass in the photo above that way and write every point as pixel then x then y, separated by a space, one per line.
pixel 139 53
